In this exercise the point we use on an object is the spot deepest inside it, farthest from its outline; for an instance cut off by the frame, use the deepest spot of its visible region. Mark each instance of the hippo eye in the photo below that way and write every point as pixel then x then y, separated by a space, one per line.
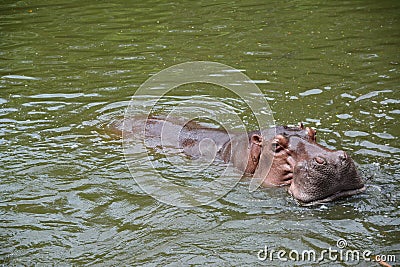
pixel 319 160
pixel 274 146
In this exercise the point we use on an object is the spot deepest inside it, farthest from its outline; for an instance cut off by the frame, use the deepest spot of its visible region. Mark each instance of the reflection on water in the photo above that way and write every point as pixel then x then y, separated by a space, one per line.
pixel 69 69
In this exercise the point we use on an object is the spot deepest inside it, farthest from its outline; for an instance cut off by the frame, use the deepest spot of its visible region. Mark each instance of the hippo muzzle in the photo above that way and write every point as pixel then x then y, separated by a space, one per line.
pixel 324 175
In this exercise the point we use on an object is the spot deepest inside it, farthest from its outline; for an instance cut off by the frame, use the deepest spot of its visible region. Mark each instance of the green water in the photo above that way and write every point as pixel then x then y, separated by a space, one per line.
pixel 68 68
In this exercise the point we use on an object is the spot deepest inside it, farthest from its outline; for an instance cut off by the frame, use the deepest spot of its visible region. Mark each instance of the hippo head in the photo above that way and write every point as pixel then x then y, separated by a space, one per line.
pixel 321 175
pixel 313 173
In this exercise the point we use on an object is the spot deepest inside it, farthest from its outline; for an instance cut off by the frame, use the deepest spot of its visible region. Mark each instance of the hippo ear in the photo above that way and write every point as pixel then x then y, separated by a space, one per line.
pixel 311 133
pixel 256 139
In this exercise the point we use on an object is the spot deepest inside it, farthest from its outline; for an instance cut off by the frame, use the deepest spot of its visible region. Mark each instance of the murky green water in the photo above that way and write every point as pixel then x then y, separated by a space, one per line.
pixel 70 67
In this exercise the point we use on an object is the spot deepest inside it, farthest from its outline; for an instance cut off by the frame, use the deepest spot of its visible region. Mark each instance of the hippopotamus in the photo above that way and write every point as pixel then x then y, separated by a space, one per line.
pixel 278 156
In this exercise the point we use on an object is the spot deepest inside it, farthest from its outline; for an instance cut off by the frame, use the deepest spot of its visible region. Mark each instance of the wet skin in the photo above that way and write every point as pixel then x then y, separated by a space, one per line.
pixel 277 156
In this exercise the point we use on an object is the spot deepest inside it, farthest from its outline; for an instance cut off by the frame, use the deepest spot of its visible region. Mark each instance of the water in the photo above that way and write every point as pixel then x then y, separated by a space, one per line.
pixel 69 68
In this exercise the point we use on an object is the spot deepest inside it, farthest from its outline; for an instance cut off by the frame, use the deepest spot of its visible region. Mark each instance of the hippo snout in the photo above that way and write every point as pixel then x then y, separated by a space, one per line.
pixel 325 176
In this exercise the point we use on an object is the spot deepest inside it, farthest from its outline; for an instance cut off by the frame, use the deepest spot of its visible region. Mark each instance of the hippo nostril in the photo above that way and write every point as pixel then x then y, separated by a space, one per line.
pixel 343 156
pixel 319 160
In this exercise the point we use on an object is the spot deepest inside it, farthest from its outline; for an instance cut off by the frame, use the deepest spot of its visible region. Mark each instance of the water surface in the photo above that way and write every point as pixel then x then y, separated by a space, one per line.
pixel 68 68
